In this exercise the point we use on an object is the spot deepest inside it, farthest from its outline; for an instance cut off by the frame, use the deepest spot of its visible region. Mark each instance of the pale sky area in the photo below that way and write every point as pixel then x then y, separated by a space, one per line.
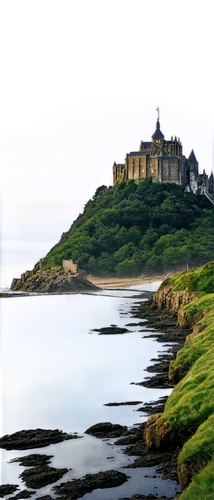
pixel 49 173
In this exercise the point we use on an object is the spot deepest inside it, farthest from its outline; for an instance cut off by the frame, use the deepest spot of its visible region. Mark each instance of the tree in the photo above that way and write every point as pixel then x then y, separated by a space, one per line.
pixel 99 192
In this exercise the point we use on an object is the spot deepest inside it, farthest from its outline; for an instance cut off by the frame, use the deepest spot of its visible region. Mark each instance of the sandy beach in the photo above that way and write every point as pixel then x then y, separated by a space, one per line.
pixel 115 282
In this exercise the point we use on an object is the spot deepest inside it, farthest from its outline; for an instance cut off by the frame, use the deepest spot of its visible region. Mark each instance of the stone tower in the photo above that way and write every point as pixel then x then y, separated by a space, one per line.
pixel 192 170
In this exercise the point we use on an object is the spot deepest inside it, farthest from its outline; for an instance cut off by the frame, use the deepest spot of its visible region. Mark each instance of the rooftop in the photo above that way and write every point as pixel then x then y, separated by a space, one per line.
pixel 192 157
pixel 158 133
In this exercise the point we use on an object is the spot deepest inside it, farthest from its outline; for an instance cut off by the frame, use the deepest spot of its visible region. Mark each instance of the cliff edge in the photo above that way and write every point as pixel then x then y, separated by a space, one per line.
pixel 187 421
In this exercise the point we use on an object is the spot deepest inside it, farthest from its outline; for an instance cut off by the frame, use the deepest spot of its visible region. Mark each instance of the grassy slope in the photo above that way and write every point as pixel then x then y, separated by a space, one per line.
pixel 192 400
pixel 201 487
pixel 189 411
pixel 198 344
pixel 200 279
pixel 197 451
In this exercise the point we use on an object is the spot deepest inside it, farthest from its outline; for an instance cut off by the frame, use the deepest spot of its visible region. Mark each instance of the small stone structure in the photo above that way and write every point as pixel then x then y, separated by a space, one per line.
pixel 69 266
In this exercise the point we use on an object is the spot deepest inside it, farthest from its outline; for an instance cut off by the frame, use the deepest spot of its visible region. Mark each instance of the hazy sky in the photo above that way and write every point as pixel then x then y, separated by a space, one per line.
pixel 50 172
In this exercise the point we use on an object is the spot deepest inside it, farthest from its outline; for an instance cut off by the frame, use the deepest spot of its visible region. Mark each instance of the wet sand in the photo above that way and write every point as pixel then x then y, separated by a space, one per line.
pixel 115 282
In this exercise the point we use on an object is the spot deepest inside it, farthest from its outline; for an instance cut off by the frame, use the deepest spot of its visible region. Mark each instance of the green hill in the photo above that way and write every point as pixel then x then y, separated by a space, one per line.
pixel 133 228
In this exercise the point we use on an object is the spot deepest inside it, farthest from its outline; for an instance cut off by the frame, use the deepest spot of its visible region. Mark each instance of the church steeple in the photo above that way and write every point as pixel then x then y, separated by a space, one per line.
pixel 158 134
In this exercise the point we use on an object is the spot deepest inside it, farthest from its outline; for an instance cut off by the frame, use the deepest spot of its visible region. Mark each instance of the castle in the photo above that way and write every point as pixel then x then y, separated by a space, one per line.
pixel 163 161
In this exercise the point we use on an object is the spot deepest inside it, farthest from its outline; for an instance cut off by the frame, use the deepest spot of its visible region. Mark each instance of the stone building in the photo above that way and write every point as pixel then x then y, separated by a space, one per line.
pixel 163 160
pixel 69 266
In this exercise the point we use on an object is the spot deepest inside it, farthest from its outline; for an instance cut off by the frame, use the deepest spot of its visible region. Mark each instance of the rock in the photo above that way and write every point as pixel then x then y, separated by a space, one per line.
pixel 106 430
pixel 159 381
pixel 132 436
pixel 33 438
pixel 126 440
pixel 176 373
pixel 111 330
pixel 138 448
pixel 79 487
pixel 127 403
pixel 6 489
pixel 154 406
pixel 32 460
pixel 23 494
pixel 187 471
pixel 132 324
pixel 160 436
pixel 161 367
pixel 37 477
pixel 52 281
pixel 146 497
pixel 45 497
pixel 166 298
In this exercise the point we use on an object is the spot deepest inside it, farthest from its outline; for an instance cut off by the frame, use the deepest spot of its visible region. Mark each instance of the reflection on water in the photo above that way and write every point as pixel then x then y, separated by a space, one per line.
pixel 57 375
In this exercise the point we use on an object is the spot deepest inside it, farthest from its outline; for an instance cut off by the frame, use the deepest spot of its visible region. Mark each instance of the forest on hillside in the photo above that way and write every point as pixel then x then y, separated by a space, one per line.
pixel 132 229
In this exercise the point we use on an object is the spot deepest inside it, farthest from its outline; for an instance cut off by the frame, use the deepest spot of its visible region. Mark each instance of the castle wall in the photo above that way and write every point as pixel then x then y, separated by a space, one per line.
pixel 69 266
pixel 170 171
pixel 152 169
pixel 143 168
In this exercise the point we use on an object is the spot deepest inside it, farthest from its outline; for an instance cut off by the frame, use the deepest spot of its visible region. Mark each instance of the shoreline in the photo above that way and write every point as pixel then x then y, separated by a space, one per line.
pixel 112 282
pixel 108 283
pixel 135 445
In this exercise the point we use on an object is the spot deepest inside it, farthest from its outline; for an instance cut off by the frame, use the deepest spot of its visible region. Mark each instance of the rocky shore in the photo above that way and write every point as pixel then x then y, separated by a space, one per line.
pixel 160 442
pixel 179 431
pixel 52 280
pixel 40 473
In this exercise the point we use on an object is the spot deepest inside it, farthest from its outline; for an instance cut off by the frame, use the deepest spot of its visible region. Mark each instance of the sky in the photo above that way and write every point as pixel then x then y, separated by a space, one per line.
pixel 50 172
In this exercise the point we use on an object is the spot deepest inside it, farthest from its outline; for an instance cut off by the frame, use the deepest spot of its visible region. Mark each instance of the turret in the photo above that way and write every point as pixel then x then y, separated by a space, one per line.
pixel 192 165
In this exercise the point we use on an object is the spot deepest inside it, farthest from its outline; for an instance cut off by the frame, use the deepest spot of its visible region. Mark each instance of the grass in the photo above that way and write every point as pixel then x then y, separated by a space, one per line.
pixel 199 343
pixel 192 400
pixel 202 485
pixel 189 411
pixel 203 304
pixel 196 452
pixel 200 279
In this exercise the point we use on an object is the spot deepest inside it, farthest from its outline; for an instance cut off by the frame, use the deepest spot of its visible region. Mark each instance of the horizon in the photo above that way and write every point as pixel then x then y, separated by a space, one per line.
pixel 50 172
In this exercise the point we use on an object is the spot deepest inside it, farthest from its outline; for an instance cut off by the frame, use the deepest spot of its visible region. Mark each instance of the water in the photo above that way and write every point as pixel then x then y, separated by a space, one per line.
pixel 57 373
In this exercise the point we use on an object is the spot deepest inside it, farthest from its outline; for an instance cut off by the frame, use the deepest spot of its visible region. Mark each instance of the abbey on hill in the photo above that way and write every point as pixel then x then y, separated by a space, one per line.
pixel 163 161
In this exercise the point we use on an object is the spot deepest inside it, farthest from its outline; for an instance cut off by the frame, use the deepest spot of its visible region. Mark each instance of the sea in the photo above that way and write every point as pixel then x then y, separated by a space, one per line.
pixel 57 373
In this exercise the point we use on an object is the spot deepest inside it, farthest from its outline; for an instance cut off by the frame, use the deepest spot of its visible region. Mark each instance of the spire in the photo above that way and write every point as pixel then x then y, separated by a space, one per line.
pixel 158 119
pixel 158 133
pixel 192 157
